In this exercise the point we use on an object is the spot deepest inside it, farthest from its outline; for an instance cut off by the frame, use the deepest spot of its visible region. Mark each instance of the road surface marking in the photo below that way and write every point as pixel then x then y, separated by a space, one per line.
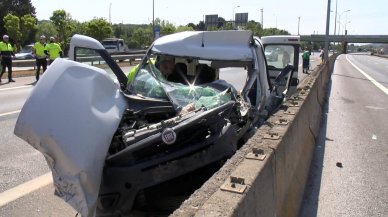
pixel 374 137
pixel 13 88
pixel 25 188
pixel 9 113
pixel 374 107
pixel 381 87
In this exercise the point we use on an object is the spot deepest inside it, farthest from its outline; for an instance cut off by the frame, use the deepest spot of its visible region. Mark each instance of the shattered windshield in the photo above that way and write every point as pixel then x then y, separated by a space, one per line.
pixel 153 80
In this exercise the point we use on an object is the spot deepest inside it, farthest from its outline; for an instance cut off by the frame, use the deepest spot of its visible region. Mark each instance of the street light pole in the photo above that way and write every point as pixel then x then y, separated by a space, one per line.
pixel 110 7
pixel 335 20
pixel 327 31
pixel 153 19
pixel 339 21
pixel 233 17
pixel 298 24
pixel 346 22
pixel 262 25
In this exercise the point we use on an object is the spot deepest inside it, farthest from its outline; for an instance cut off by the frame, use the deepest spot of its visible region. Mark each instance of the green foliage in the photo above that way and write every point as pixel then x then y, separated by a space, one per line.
pixel 27 24
pixel 273 31
pixel 220 22
pixel 60 21
pixel 98 28
pixel 255 27
pixel 211 28
pixel 46 28
pixel 141 37
pixel 15 7
pixel 65 27
pixel 201 26
pixel 166 28
pixel 12 25
pixel 184 28
pixel 228 26
pixel 192 25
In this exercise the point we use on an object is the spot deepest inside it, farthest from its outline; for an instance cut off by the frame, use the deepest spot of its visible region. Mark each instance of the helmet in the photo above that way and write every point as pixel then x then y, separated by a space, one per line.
pixel 5 37
pixel 42 37
pixel 52 38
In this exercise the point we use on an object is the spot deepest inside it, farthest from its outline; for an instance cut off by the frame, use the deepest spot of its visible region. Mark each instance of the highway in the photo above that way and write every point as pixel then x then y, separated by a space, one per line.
pixel 20 163
pixel 349 170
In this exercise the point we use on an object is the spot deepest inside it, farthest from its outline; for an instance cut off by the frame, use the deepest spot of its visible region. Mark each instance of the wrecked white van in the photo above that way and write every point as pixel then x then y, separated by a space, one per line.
pixel 106 140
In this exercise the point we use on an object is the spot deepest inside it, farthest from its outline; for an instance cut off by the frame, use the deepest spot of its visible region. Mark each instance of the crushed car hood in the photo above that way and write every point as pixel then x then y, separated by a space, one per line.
pixel 70 117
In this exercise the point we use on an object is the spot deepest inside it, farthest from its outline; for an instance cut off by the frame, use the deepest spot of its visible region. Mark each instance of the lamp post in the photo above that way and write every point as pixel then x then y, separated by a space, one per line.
pixel 233 18
pixel 326 53
pixel 261 10
pixel 335 19
pixel 298 24
pixel 110 7
pixel 153 19
pixel 339 20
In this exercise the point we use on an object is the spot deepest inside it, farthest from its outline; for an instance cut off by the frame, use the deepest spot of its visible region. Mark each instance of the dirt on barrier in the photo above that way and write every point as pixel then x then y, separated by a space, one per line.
pixel 283 160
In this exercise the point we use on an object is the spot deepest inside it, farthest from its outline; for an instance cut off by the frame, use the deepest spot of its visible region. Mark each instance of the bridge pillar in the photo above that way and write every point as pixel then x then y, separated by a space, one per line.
pixel 344 47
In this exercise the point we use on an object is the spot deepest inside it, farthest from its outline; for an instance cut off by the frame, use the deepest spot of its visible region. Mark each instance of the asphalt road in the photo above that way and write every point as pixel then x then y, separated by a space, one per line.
pixel 20 163
pixel 349 170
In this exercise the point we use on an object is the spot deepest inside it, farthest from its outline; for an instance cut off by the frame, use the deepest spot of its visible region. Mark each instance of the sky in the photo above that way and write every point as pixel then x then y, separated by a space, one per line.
pixel 364 18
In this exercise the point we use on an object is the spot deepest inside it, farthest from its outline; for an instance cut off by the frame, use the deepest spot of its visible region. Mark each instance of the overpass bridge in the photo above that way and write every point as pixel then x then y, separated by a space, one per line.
pixel 347 38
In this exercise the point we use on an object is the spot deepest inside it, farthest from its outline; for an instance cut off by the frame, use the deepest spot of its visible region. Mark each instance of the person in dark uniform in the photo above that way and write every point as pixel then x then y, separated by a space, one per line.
pixel 6 53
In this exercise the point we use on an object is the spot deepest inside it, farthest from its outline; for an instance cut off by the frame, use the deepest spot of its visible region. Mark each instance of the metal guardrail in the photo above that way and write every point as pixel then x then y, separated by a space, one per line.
pixel 128 57
pixel 347 38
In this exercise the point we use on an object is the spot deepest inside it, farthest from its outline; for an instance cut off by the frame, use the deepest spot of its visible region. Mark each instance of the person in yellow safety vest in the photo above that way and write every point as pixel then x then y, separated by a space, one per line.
pixel 53 50
pixel 165 65
pixel 40 56
pixel 6 53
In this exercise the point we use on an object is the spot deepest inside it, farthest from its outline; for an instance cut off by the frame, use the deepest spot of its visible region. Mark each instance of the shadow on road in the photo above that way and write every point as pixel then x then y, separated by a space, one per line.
pixel 310 202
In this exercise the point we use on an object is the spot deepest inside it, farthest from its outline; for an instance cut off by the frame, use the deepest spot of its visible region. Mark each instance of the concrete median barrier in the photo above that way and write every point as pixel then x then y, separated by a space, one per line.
pixel 267 176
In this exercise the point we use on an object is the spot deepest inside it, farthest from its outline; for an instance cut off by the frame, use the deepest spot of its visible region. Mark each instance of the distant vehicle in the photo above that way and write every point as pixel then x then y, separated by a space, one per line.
pixel 25 53
pixel 115 45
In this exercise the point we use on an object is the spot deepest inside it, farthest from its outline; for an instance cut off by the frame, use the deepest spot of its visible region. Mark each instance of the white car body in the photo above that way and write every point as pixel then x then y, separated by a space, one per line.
pixel 75 109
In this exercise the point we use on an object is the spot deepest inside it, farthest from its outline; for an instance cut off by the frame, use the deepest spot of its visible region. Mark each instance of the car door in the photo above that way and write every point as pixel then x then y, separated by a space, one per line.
pixel 71 117
pixel 281 51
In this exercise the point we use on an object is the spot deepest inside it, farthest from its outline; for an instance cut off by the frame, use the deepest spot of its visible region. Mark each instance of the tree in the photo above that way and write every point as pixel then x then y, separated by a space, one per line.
pixel 192 25
pixel 141 37
pixel 166 28
pixel 12 25
pixel 220 22
pixel 254 27
pixel 27 25
pixel 273 31
pixel 17 8
pixel 228 26
pixel 184 28
pixel 98 28
pixel 201 26
pixel 65 27
pixel 47 28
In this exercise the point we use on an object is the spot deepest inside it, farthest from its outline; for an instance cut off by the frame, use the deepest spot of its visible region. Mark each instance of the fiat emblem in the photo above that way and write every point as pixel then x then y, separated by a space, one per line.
pixel 168 136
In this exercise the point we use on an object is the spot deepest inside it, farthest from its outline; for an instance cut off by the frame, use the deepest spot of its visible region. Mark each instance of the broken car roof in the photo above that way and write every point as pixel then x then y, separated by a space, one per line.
pixel 210 45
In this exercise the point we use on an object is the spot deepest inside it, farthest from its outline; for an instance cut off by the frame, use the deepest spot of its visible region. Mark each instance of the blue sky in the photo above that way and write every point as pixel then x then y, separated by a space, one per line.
pixel 364 17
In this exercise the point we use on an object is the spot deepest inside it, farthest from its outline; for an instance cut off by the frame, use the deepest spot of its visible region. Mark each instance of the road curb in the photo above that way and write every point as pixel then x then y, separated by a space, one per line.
pixel 275 185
